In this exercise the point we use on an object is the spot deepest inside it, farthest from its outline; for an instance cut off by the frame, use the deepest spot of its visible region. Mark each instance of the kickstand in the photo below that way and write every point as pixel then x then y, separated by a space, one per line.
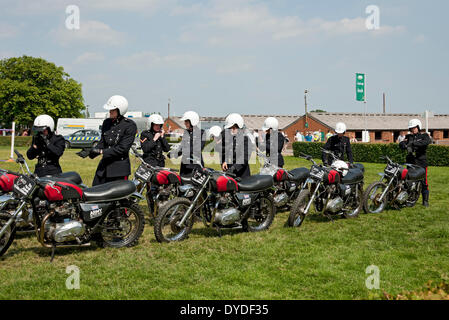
pixel 53 249
pixel 219 231
pixel 330 218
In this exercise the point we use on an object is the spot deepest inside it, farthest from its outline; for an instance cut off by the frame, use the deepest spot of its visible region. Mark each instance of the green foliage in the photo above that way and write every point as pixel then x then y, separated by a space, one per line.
pixel 437 156
pixel 33 86
pixel 18 141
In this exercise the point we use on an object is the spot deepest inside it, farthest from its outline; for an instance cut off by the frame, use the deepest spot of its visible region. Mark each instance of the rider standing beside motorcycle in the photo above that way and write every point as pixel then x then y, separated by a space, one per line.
pixel 236 147
pixel 339 145
pixel 47 147
pixel 272 142
pixel 117 136
pixel 416 145
pixel 153 142
pixel 192 144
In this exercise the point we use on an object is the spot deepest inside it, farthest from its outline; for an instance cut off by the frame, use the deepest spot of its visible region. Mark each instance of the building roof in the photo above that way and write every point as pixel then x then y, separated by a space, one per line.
pixel 379 121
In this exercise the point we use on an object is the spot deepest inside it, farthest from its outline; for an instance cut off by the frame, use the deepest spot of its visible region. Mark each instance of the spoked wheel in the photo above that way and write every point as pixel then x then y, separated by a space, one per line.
pixel 261 218
pixel 355 204
pixel 8 236
pixel 123 227
pixel 166 228
pixel 297 213
pixel 371 202
pixel 414 196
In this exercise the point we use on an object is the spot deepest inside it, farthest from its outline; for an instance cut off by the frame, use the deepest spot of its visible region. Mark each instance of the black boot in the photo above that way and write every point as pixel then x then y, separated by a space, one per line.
pixel 425 198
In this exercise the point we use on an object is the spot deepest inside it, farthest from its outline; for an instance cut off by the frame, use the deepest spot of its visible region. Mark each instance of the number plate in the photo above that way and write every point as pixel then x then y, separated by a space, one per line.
pixel 317 174
pixel 143 173
pixel 198 178
pixel 24 186
pixel 390 170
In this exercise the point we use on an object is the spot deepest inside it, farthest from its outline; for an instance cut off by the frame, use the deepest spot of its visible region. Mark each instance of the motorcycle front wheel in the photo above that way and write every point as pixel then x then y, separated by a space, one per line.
pixel 123 227
pixel 166 228
pixel 297 215
pixel 260 220
pixel 371 202
pixel 8 236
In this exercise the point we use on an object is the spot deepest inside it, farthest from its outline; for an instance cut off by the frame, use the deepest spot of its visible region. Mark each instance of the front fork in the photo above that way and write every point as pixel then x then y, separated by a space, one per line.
pixel 306 211
pixel 193 205
pixel 12 219
pixel 386 190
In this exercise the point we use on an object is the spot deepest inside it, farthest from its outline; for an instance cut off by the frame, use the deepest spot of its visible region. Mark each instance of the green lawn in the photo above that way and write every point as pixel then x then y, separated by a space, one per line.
pixel 321 260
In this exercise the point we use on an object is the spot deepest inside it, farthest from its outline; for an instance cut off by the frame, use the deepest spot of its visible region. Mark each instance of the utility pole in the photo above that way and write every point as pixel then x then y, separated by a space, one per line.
pixel 168 115
pixel 385 105
pixel 305 106
pixel 87 111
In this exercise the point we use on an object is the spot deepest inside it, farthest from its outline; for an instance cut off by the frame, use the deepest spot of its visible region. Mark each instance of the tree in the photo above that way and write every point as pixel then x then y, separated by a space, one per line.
pixel 319 111
pixel 33 86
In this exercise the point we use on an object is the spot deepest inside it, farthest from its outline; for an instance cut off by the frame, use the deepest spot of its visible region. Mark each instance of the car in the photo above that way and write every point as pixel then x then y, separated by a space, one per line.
pixel 83 139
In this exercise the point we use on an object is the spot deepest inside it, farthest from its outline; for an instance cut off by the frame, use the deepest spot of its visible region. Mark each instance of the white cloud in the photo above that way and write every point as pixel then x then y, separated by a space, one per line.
pixel 150 59
pixel 91 32
pixel 233 68
pixel 89 57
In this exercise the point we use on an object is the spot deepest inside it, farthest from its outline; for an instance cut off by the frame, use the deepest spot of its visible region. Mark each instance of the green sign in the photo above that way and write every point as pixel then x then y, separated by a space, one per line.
pixel 360 86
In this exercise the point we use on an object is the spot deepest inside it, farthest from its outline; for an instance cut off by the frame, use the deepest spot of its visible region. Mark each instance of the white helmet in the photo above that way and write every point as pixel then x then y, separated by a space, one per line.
pixel 341 166
pixel 43 121
pixel 155 118
pixel 232 119
pixel 192 116
pixel 215 131
pixel 270 123
pixel 117 102
pixel 415 123
pixel 340 127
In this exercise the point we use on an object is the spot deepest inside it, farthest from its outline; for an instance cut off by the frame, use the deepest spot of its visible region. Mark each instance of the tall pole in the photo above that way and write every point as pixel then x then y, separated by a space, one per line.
pixel 168 115
pixel 13 133
pixel 366 125
pixel 385 104
pixel 305 107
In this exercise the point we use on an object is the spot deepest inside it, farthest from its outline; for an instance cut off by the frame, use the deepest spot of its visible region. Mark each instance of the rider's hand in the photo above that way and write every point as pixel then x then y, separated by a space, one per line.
pixel 162 132
pixel 84 153
pixel 157 136
pixel 224 166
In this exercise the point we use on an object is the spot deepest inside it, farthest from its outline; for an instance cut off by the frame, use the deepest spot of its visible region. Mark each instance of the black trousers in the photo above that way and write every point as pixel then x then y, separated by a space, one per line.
pixel 102 180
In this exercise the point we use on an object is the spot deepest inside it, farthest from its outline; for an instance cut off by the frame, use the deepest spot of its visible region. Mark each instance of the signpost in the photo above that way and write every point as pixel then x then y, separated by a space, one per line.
pixel 360 89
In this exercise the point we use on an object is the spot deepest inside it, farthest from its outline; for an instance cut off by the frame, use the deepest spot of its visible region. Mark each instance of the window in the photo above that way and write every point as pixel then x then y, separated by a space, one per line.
pixel 78 134
pixel 378 135
pixel 358 135
pixel 446 134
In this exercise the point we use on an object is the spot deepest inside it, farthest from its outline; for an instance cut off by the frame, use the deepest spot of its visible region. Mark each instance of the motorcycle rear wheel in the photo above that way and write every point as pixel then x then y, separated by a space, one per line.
pixel 8 237
pixel 123 229
pixel 414 196
pixel 263 219
pixel 297 215
pixel 355 207
pixel 371 202
pixel 165 228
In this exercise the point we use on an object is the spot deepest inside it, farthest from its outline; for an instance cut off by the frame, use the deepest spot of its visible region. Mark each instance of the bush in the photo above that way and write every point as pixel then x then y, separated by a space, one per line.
pixel 371 152
pixel 18 141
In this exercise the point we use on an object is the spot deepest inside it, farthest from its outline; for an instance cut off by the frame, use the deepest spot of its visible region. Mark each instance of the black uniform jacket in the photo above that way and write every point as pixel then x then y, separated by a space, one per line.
pixel 47 154
pixel 236 151
pixel 273 147
pixel 416 145
pixel 117 137
pixel 340 147
pixel 192 145
pixel 152 150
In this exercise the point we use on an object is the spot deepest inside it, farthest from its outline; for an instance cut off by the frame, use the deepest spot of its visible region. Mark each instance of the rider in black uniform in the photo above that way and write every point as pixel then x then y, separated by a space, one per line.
pixel 153 142
pixel 339 144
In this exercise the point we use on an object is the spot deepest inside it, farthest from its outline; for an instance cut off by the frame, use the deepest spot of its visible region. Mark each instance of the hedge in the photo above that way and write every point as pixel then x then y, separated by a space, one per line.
pixel 18 141
pixel 371 152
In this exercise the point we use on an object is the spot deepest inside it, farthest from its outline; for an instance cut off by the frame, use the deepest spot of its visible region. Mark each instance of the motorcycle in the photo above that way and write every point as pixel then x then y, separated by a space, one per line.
pixel 287 184
pixel 64 215
pixel 8 203
pixel 221 201
pixel 331 192
pixel 161 184
pixel 398 187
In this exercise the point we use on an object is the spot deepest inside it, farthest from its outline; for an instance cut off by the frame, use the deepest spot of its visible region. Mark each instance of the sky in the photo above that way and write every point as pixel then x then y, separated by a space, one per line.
pixel 248 56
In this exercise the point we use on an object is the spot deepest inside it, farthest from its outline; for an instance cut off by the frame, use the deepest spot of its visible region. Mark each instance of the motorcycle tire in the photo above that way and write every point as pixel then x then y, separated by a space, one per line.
pixel 414 197
pixel 115 240
pixel 8 237
pixel 357 207
pixel 166 221
pixel 367 198
pixel 262 221
pixel 297 215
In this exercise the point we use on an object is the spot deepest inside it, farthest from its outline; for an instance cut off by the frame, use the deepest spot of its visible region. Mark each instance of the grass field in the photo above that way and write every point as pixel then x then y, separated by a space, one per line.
pixel 321 260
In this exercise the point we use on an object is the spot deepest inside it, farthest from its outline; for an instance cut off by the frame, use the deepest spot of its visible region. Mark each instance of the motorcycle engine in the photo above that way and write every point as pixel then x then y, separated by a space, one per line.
pixel 226 215
pixel 281 199
pixel 335 205
pixel 402 197
pixel 63 226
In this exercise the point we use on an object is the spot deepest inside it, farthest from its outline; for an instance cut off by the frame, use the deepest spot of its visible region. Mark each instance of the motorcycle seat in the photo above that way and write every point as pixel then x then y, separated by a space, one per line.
pixel 70 176
pixel 359 166
pixel 353 176
pixel 255 183
pixel 299 174
pixel 109 191
pixel 416 174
